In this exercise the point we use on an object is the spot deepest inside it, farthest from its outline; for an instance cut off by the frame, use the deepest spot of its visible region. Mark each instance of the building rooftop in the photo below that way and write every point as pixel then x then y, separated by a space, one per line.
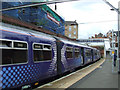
pixel 71 23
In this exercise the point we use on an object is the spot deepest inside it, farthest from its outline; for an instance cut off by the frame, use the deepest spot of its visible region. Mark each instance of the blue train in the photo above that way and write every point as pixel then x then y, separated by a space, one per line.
pixel 29 56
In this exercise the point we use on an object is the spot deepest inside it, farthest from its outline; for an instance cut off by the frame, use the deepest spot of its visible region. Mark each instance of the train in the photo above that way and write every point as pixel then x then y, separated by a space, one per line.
pixel 28 56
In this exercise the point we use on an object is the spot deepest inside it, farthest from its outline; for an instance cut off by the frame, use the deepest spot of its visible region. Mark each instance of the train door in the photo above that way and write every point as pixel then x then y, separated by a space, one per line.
pixel 59 63
pixel 92 54
pixel 82 55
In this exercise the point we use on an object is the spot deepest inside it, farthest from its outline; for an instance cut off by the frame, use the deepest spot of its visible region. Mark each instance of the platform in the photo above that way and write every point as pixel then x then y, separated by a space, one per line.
pixel 104 77
pixel 98 75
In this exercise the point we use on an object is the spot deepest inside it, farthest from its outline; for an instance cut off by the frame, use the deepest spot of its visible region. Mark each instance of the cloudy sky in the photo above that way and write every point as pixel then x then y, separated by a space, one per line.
pixel 93 16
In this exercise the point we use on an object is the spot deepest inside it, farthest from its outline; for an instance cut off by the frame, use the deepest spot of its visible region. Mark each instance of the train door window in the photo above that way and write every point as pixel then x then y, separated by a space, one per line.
pixel 12 54
pixel 88 52
pixel 77 52
pixel 37 51
pixel 82 51
pixel 69 52
pixel 95 53
pixel 47 52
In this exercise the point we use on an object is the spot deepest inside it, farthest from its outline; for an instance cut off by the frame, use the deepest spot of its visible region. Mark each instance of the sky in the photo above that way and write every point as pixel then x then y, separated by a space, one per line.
pixel 93 16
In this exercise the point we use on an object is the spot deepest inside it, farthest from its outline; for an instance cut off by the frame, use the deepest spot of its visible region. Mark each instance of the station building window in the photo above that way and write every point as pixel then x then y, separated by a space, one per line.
pixel 69 52
pixel 74 26
pixel 70 29
pixel 75 32
pixel 69 35
pixel 42 52
pixel 13 52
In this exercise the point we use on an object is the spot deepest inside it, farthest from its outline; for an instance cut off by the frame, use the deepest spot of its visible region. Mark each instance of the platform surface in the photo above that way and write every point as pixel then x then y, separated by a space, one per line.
pixel 101 75
pixel 72 78
pixel 106 76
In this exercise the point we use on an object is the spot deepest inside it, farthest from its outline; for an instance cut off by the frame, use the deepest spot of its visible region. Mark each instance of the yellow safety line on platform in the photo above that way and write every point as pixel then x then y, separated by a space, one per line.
pixel 72 78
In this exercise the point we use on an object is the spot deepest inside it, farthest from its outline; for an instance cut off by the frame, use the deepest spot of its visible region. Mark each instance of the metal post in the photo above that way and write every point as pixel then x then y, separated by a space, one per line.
pixel 112 53
pixel 112 40
pixel 118 58
pixel 117 10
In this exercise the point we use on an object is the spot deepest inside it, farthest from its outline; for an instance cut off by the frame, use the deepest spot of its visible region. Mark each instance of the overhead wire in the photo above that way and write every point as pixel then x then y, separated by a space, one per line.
pixel 99 22
pixel 37 4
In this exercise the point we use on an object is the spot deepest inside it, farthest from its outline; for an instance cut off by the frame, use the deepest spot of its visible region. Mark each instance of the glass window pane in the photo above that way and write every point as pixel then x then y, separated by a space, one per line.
pixel 77 52
pixel 47 47
pixel 74 26
pixel 69 55
pixel 5 43
pixel 47 55
pixel 69 49
pixel 38 46
pixel 38 55
pixel 20 45
pixel 88 52
pixel 69 52
pixel 69 35
pixel 70 29
pixel 19 56
pixel 74 32
pixel 10 56
pixel 44 54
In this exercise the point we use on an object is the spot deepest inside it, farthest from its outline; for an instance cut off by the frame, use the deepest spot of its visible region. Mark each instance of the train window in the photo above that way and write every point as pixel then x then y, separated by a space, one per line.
pixel 38 55
pixel 42 52
pixel 77 52
pixel 37 51
pixel 14 55
pixel 88 52
pixel 47 55
pixel 20 45
pixel 69 52
pixel 47 52
pixel 6 44
pixel 47 47
pixel 38 46
pixel 95 53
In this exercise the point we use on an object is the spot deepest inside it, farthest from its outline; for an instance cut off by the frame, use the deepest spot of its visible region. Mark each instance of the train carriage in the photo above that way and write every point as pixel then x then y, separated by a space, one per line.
pixel 28 56
pixel 71 55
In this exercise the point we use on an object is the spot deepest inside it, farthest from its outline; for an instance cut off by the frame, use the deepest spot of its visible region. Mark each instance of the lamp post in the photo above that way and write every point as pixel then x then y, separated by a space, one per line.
pixel 118 41
pixel 117 10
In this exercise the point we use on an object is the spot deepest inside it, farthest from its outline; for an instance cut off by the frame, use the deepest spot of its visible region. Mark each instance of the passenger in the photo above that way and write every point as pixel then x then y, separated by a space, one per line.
pixel 115 57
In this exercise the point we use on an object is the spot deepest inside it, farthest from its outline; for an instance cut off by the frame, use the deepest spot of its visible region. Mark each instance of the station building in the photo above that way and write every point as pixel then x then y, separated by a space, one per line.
pixel 42 16
pixel 71 29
